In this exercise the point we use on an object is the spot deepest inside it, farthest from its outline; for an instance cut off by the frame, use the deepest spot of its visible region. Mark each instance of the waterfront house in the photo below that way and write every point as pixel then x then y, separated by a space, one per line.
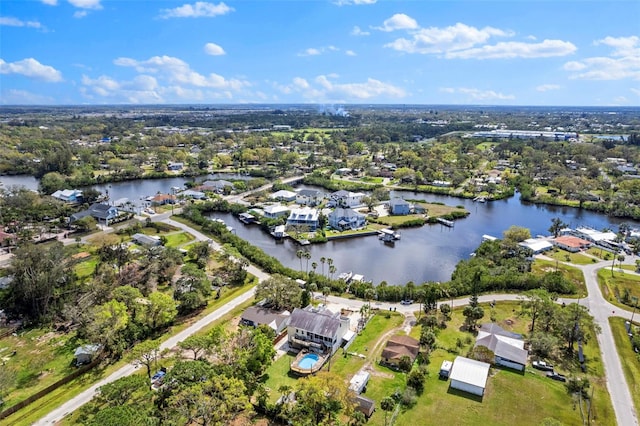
pixel 255 316
pixel 103 213
pixel 399 207
pixel 346 218
pixel 190 193
pixel 344 198
pixel 507 347
pixel 316 329
pixel 275 210
pixel 469 375
pixel 71 196
pixel 398 347
pixel 304 217
pixel 571 244
pixel 162 199
pixel 536 245
pixel 283 195
pixel 215 186
pixel 309 197
pixel 175 166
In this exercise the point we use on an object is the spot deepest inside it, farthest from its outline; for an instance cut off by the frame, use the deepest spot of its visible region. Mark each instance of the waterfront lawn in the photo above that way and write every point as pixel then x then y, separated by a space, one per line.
pixel 565 256
pixel 614 286
pixel 510 397
pixel 628 358
pixel 575 275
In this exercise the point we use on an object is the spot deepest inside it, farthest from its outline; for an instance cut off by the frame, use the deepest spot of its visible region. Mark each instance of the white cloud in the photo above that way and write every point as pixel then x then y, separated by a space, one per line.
pixel 80 14
pixel 86 4
pixel 214 49
pixel 477 95
pixel 516 49
pixel 313 51
pixel 354 2
pixel 350 53
pixel 636 91
pixel 196 10
pixel 142 89
pixel 624 62
pixel 23 97
pixel 324 88
pixel 449 39
pixel 547 87
pixel 50 2
pixel 31 68
pixel 15 22
pixel 356 31
pixel 399 21
pixel 178 71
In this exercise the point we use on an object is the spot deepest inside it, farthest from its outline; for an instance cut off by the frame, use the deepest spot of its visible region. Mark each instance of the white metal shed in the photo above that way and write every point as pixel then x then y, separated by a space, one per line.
pixel 469 375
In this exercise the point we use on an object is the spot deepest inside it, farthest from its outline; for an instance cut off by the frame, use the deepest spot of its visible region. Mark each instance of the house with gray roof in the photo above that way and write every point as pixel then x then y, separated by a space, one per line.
pixel 398 207
pixel 346 218
pixel 507 347
pixel 215 185
pixel 103 213
pixel 316 329
pixel 346 198
pixel 71 196
pixel 255 316
pixel 146 240
pixel 309 197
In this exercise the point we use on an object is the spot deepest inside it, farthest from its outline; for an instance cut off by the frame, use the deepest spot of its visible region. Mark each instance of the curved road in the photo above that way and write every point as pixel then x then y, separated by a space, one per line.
pixel 598 307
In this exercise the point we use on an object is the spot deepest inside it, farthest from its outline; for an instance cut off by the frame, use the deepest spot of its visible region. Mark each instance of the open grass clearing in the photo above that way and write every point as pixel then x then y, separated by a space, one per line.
pixel 600 253
pixel 178 239
pixel 575 275
pixel 615 284
pixel 511 397
pixel 565 256
pixel 628 358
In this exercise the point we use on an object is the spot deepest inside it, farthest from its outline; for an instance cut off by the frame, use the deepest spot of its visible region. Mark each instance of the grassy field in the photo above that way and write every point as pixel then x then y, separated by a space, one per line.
pixel 565 256
pixel 178 239
pixel 575 275
pixel 628 358
pixel 600 253
pixel 510 397
pixel 614 286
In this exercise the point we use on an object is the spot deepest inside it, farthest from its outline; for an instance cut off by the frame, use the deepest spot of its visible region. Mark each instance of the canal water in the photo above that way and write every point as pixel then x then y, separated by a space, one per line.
pixel 429 253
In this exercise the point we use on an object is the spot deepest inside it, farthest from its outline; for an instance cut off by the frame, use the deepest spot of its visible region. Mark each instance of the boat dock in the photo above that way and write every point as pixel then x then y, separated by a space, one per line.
pixel 388 235
pixel 445 222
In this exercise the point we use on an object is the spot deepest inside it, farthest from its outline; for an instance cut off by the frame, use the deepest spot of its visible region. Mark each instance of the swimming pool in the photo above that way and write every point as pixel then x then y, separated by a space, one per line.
pixel 308 361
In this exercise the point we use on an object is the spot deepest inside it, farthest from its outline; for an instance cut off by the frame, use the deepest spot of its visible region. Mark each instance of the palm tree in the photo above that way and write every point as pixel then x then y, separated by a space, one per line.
pixel 368 295
pixel 314 265
pixel 323 260
pixel 300 255
pixel 332 270
pixel 307 255
pixel 325 292
pixel 387 404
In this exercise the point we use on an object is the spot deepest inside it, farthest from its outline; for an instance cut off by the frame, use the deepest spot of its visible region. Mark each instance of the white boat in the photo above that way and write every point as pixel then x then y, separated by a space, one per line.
pixel 388 235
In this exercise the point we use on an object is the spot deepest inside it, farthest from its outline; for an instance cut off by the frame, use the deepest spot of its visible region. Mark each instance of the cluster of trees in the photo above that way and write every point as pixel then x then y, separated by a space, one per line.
pixel 553 326
pixel 212 389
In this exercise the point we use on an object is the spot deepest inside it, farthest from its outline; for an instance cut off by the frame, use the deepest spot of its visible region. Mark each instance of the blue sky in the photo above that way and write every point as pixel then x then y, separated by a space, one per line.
pixel 512 52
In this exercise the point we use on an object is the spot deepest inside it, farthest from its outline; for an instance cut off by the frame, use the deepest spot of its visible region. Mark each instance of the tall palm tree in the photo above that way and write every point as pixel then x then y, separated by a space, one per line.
pixel 332 270
pixel 300 255
pixel 323 260
pixel 307 255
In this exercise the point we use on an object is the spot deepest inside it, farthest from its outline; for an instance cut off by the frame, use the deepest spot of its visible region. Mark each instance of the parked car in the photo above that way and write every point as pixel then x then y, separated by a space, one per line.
pixel 556 376
pixel 541 365
pixel 159 375
pixel 406 302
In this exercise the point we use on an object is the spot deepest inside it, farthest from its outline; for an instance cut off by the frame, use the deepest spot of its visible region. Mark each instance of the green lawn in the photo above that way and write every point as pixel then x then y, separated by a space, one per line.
pixel 628 358
pixel 565 256
pixel 86 268
pixel 178 239
pixel 575 275
pixel 600 253
pixel 510 397
pixel 614 285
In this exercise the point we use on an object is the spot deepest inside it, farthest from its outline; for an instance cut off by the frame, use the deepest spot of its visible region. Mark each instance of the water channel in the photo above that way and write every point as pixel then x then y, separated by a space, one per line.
pixel 429 253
